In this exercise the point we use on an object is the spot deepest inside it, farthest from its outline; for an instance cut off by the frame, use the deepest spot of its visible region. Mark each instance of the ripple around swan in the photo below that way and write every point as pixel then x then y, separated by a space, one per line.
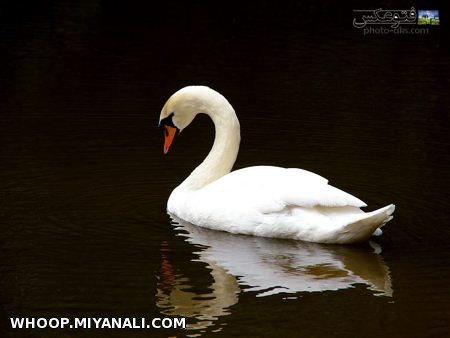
pixel 264 267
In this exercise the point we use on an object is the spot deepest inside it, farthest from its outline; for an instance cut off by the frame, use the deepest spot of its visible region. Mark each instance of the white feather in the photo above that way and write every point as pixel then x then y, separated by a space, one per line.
pixel 262 200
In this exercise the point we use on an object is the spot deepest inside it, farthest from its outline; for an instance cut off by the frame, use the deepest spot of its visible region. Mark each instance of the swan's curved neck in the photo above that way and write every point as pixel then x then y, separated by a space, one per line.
pixel 222 156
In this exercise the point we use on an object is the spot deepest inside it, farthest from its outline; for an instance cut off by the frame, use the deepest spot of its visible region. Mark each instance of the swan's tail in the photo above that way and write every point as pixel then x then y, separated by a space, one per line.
pixel 367 224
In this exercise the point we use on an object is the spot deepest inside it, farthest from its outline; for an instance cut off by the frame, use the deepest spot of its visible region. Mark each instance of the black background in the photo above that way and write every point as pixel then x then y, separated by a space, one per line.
pixel 84 182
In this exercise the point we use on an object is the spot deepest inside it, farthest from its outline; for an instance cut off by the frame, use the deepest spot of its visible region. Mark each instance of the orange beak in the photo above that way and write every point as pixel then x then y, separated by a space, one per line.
pixel 169 135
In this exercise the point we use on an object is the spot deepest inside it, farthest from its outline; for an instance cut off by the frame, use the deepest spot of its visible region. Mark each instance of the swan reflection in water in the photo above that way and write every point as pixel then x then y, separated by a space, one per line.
pixel 266 266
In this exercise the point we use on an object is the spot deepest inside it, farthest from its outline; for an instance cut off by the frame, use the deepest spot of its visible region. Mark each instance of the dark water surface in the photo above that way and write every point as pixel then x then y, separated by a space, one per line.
pixel 84 182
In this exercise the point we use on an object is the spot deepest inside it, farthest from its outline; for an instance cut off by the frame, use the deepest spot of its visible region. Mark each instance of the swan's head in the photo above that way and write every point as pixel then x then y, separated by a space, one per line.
pixel 181 108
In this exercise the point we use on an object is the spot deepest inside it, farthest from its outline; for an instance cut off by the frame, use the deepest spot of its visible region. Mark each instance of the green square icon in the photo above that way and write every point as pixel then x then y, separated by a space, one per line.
pixel 428 17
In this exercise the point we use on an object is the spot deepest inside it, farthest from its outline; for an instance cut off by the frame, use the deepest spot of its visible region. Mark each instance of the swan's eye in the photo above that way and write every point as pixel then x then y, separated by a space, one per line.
pixel 167 121
pixel 166 130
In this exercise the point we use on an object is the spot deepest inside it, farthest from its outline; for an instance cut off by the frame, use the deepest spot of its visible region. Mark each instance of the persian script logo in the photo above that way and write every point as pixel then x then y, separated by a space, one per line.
pixel 392 17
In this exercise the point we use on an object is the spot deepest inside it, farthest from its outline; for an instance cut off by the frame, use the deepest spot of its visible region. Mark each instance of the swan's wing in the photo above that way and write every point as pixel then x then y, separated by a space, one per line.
pixel 270 189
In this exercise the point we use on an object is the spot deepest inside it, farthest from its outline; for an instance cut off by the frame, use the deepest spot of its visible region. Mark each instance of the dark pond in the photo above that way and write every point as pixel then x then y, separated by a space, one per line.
pixel 84 182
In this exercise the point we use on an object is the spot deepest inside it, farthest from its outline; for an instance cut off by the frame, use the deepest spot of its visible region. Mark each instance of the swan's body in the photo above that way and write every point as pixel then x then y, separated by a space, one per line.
pixel 262 200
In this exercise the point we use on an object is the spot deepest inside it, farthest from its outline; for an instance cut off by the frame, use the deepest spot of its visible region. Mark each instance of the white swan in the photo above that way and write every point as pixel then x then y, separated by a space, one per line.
pixel 263 200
